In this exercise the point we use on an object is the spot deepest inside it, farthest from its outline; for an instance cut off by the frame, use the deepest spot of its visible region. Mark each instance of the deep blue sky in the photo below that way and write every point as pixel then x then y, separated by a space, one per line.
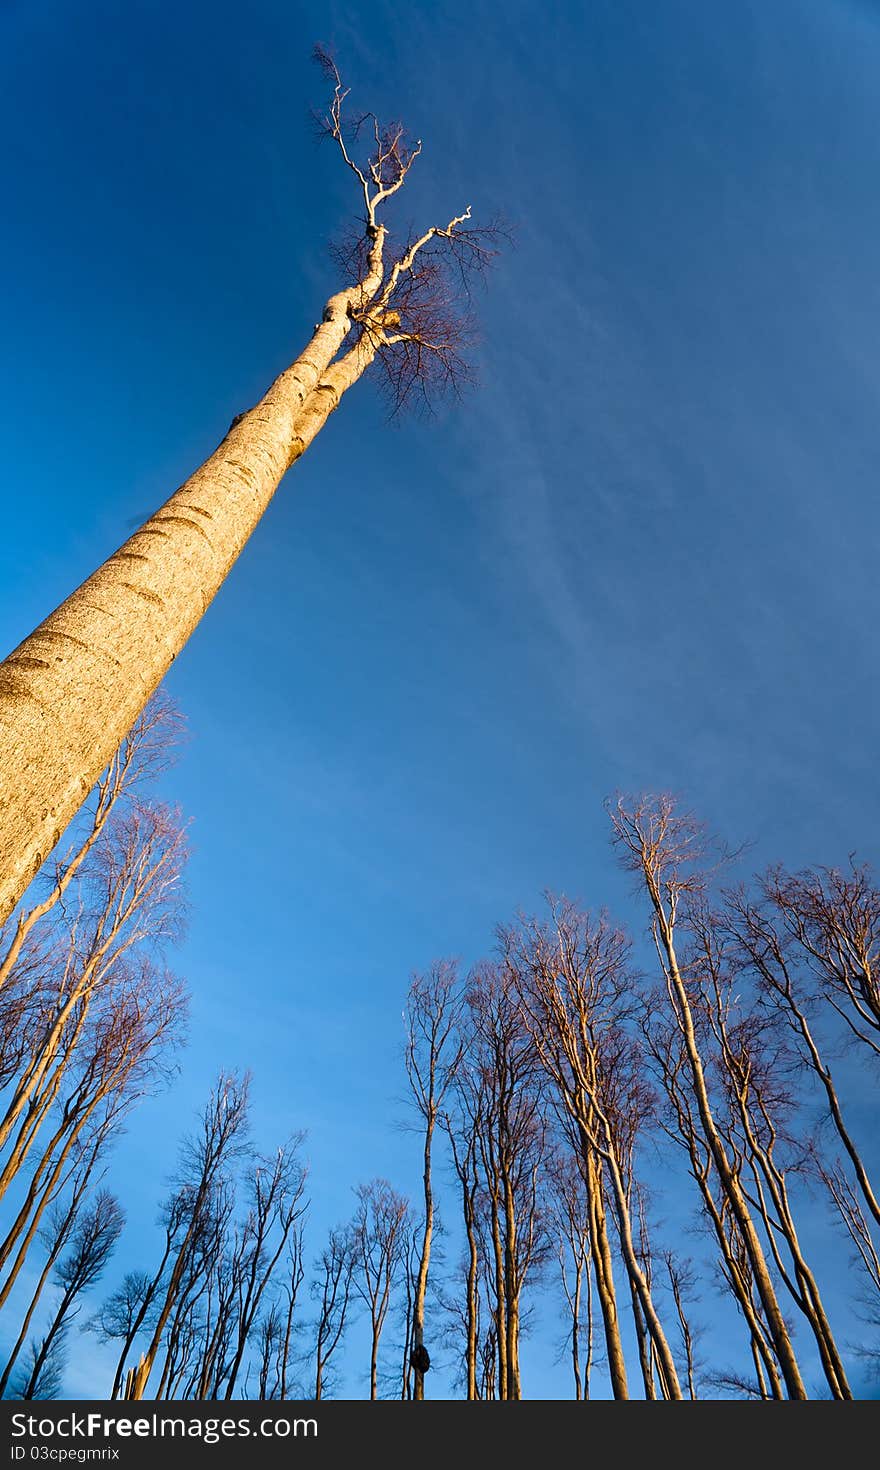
pixel 642 554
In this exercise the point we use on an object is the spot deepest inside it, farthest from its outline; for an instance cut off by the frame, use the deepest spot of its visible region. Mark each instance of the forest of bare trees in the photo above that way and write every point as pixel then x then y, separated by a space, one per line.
pixel 617 1133
pixel 635 1156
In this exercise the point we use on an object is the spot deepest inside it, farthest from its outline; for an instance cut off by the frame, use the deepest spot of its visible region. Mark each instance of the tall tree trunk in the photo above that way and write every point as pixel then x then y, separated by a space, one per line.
pixel 500 1297
pixel 374 1364
pixel 46 1345
pixel 575 1330
pixel 26 1322
pixel 601 1250
pixel 511 1290
pixel 39 1195
pixel 763 1281
pixel 641 1289
pixel 418 1317
pixel 148 1359
pixel 472 1308
pixel 73 688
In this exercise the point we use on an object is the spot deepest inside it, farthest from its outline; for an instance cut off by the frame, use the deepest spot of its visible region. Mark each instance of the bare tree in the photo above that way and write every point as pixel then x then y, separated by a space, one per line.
pixel 574 986
pixel 411 1252
pixel 663 1045
pixel 834 917
pixel 463 1130
pixel 682 1281
pixel 332 1292
pixel 92 1240
pixel 277 1188
pixel 133 899
pixel 512 1143
pixel 193 1207
pixel 227 1284
pixel 110 904
pixel 852 1216
pixel 793 939
pixel 433 1054
pixel 665 847
pixel 199 1336
pixel 143 753
pixel 48 1381
pixel 286 1307
pixel 120 1316
pixel 570 1215
pixel 90 1020
pixel 754 1062
pixel 123 1053
pixel 55 1233
pixel 72 688
pixel 379 1236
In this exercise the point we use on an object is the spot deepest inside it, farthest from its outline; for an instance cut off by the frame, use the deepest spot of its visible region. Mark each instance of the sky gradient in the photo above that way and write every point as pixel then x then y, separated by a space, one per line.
pixel 642 554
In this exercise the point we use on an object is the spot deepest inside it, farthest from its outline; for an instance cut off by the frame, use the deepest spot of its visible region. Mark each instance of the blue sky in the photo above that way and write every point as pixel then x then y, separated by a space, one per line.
pixel 642 554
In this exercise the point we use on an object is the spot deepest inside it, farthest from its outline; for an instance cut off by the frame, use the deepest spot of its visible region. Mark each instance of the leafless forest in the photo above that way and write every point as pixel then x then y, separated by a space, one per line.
pixel 613 1127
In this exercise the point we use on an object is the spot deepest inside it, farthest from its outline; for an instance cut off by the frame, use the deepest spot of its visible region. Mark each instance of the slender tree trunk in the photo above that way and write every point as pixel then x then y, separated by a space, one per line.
pixel 35 1202
pixel 418 1317
pixel 514 1382
pixel 804 1289
pixel 500 1299
pixel 73 688
pixel 601 1251
pixel 575 1329
pixel 647 1319
pixel 32 1097
pixel 468 1190
pixel 511 1290
pixel 732 1187
pixel 472 1321
pixel 700 1166
pixel 138 1322
pixel 166 1367
pixel 588 1287
pixel 145 1366
pixel 823 1072
pixel 32 1307
pixel 285 1348
pixel 759 1374
pixel 374 1364
pixel 643 1342
pixel 57 1246
pixel 46 1345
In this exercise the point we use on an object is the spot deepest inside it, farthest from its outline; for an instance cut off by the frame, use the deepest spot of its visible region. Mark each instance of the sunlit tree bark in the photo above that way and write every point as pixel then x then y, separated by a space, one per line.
pixel 754 1060
pixel 69 691
pixel 663 846
pixel 574 988
pixel 124 1054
